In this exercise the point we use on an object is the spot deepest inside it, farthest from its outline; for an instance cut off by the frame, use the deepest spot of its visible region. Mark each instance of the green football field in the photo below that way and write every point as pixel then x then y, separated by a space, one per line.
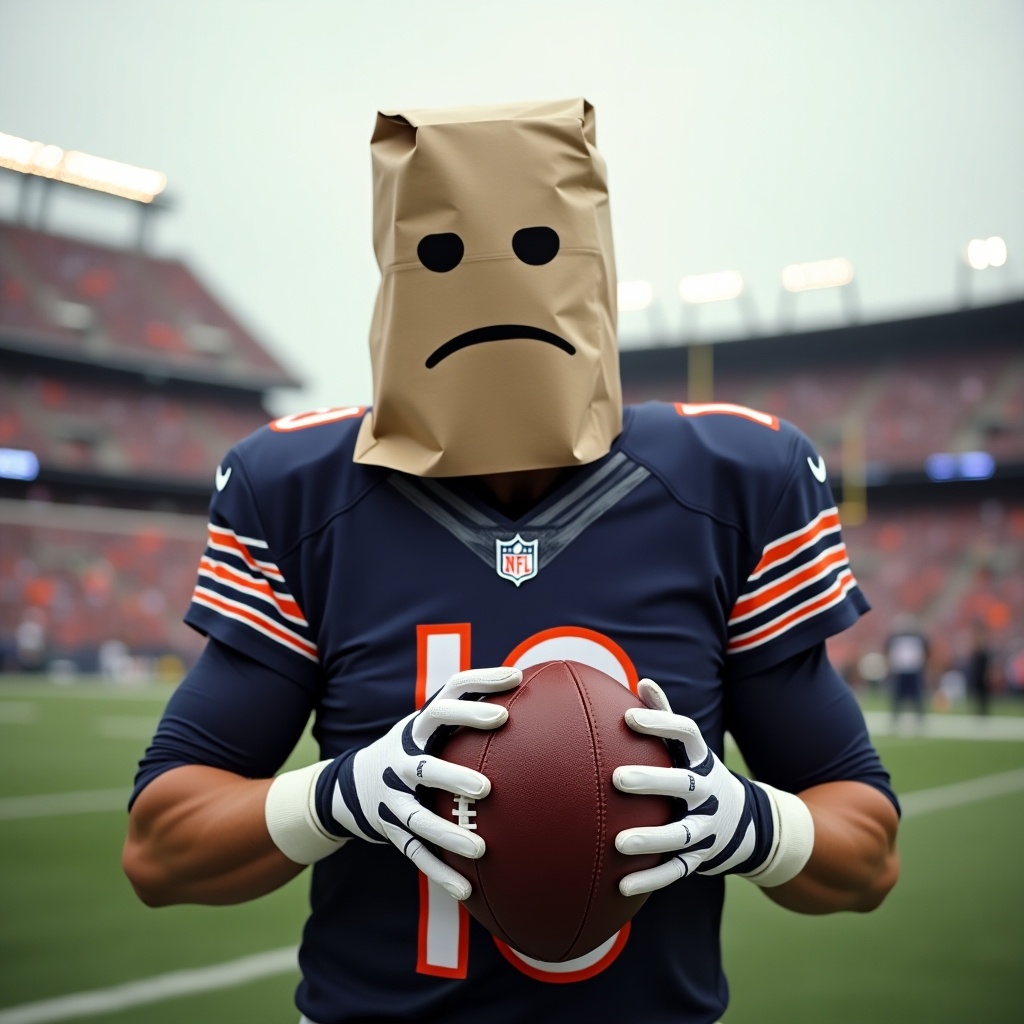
pixel 75 943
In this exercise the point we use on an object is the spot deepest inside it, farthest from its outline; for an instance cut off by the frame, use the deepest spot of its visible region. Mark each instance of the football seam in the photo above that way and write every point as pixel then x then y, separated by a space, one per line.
pixel 477 866
pixel 597 751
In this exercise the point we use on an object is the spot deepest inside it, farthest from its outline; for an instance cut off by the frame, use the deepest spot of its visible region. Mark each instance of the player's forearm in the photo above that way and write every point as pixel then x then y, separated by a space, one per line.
pixel 854 862
pixel 199 835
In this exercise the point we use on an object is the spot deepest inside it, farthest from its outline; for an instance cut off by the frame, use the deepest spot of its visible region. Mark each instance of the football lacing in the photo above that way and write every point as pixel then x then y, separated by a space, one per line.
pixel 464 812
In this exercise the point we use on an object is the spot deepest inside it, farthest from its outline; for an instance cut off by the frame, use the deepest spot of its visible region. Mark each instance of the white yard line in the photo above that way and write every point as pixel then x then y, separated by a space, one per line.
pixel 280 961
pixel 924 801
pixel 154 990
pixel 46 689
pixel 947 727
pixel 53 804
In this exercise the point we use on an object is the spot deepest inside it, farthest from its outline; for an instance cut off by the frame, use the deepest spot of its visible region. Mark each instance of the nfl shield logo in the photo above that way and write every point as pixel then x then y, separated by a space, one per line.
pixel 516 559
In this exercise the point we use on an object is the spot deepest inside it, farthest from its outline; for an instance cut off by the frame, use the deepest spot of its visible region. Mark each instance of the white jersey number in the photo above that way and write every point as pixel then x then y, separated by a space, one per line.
pixel 441 651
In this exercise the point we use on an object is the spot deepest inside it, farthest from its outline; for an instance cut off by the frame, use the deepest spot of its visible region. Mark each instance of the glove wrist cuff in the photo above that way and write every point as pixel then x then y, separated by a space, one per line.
pixel 794 839
pixel 290 813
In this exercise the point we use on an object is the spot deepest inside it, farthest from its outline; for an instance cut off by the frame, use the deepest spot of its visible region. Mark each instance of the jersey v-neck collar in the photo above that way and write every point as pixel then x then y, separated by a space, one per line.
pixel 553 523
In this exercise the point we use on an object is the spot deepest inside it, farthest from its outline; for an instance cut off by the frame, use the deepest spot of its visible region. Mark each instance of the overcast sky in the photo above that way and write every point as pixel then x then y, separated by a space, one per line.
pixel 739 135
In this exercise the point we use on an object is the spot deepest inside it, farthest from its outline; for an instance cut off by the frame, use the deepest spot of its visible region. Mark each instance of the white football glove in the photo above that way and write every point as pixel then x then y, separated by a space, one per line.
pixel 370 793
pixel 729 824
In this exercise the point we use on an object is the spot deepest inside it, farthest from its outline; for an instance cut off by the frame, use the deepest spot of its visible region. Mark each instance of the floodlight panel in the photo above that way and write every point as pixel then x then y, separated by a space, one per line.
pixel 635 295
pixel 982 253
pixel 16 153
pixel 48 158
pixel 75 168
pixel 112 176
pixel 977 253
pixel 832 273
pixel 715 287
pixel 996 251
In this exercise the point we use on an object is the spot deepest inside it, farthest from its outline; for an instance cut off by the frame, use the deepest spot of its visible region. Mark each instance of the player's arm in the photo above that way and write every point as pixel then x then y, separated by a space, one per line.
pixel 854 862
pixel 802 731
pixel 196 829
pixel 816 830
pixel 198 834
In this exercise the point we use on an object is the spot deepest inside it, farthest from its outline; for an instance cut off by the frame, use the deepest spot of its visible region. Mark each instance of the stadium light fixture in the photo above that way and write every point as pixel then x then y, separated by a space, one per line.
pixel 803 277
pixel 943 466
pixel 717 287
pixel 75 168
pixel 635 295
pixel 983 253
pixel 977 465
pixel 17 464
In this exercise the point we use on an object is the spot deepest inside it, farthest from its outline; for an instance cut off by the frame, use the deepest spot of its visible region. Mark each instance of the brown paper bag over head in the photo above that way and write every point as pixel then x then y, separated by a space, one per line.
pixel 493 342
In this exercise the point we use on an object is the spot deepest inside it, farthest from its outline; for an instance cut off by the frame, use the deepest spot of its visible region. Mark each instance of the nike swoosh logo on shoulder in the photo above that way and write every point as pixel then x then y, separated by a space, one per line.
pixel 817 468
pixel 222 477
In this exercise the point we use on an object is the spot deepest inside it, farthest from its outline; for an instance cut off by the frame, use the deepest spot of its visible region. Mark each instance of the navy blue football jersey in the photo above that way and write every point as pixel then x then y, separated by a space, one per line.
pixel 702 551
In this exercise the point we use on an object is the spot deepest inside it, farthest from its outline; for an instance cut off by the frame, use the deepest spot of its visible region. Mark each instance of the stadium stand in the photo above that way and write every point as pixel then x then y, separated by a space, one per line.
pixel 66 296
pixel 92 577
pixel 909 405
pixel 113 428
pixel 126 380
pixel 947 564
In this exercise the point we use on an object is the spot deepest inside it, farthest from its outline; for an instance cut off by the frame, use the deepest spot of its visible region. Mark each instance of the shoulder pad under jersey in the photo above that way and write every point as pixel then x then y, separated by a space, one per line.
pixel 727 460
pixel 299 469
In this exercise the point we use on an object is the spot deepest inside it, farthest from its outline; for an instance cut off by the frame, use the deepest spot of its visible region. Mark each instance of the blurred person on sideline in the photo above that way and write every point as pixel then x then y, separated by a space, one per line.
pixel 978 666
pixel 907 654
pixel 1013 669
pixel 30 641
pixel 496 509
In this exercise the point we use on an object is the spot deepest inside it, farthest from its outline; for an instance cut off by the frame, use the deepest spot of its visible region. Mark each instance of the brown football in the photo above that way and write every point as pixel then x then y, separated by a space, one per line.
pixel 548 884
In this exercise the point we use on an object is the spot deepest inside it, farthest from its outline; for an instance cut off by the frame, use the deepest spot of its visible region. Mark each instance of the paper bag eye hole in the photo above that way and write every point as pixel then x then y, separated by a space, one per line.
pixel 536 246
pixel 443 252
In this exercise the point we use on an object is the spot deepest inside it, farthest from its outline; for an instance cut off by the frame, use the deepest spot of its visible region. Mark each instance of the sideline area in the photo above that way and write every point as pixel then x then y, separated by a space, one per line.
pixel 946 726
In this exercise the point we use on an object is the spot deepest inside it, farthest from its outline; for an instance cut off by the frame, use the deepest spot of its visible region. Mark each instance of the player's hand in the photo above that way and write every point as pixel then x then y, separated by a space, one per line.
pixel 376 787
pixel 370 793
pixel 728 824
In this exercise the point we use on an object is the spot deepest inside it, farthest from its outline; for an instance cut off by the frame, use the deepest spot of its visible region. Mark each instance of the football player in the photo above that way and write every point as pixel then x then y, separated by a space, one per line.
pixel 381 568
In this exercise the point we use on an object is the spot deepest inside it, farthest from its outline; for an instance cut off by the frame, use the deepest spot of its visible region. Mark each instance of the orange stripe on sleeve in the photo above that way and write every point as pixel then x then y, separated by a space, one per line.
pixel 225 540
pixel 285 603
pixel 242 613
pixel 801 613
pixel 785 547
pixel 790 584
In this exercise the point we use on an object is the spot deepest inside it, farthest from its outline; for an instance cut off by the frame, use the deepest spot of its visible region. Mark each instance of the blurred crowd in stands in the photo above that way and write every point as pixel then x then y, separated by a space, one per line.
pixel 955 571
pixel 902 410
pixel 118 366
pixel 117 430
pixel 69 295
pixel 67 594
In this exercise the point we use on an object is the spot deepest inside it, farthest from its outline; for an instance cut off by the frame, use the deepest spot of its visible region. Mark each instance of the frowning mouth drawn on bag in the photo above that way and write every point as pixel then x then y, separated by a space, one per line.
pixel 497 332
